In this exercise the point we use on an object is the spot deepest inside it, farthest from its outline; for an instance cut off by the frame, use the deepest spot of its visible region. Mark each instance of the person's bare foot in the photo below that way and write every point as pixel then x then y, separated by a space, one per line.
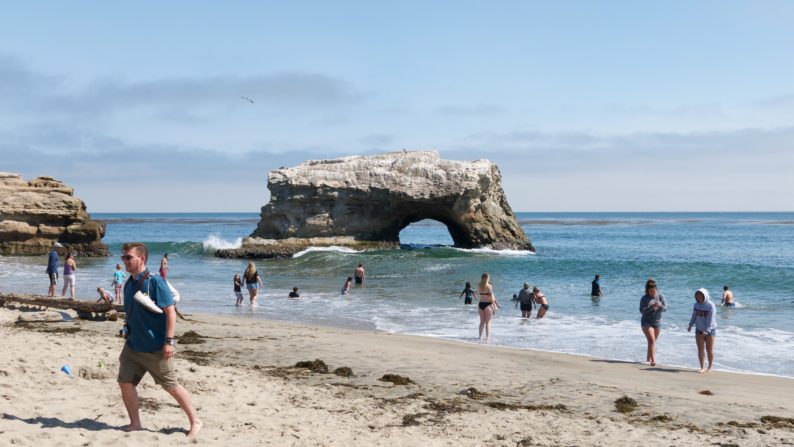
pixel 194 429
pixel 653 363
pixel 708 370
pixel 131 427
pixel 701 371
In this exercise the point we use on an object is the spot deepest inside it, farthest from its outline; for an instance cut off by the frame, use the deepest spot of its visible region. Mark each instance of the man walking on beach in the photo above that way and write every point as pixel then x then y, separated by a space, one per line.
pixel 150 342
pixel 52 269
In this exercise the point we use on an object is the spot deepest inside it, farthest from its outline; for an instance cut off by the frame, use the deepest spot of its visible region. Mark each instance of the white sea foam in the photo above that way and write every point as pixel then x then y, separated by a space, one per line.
pixel 213 242
pixel 331 248
pixel 491 251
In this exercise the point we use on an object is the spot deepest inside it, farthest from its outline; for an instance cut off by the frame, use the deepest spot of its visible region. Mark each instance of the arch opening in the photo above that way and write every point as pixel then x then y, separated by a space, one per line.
pixel 425 233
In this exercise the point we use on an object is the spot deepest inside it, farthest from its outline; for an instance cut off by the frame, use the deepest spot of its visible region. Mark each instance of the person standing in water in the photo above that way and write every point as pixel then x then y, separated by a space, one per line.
pixel 652 305
pixel 541 301
pixel 164 266
pixel 347 285
pixel 704 319
pixel 118 282
pixel 52 269
pixel 595 289
pixel 252 282
pixel 69 277
pixel 358 274
pixel 238 289
pixel 526 300
pixel 487 305
pixel 468 292
pixel 727 297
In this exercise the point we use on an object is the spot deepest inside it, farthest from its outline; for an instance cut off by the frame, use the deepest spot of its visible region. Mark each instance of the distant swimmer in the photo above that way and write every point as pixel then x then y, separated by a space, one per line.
pixel 469 292
pixel 595 290
pixel 348 284
pixel 526 300
pixel 358 274
pixel 541 301
pixel 727 297
pixel 294 295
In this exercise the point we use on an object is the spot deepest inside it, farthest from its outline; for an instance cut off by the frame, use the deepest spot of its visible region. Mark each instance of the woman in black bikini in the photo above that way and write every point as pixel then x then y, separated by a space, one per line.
pixel 488 304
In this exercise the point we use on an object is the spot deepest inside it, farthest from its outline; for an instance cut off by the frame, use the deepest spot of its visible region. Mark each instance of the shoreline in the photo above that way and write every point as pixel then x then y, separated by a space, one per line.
pixel 247 392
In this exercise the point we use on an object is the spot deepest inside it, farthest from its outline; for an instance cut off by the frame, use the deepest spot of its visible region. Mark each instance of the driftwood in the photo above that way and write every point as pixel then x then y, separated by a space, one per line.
pixel 59 303
pixel 64 303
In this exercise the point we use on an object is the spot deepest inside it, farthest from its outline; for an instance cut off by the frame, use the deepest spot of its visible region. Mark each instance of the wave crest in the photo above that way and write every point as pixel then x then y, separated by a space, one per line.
pixel 214 242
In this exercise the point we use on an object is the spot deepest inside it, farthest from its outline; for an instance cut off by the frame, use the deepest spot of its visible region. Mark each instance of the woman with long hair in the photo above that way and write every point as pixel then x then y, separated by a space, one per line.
pixel 252 282
pixel 652 305
pixel 487 305
pixel 69 267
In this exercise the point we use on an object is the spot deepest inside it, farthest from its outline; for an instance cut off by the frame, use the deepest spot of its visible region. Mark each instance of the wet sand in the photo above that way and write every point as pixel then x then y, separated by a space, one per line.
pixel 242 377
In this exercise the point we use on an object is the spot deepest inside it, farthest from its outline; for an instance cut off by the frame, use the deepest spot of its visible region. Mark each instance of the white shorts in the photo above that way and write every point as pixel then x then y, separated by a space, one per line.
pixel 68 280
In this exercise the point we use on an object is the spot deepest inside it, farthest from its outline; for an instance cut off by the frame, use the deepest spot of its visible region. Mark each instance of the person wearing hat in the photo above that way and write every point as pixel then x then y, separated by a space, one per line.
pixel 52 268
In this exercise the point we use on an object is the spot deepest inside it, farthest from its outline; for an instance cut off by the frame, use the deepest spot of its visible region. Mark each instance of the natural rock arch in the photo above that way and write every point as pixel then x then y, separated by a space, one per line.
pixel 365 201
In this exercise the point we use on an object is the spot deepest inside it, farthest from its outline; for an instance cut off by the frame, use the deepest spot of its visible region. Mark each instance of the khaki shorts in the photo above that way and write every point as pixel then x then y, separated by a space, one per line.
pixel 134 365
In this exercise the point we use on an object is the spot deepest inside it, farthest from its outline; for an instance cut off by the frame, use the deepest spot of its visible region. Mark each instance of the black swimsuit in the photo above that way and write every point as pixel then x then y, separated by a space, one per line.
pixel 484 305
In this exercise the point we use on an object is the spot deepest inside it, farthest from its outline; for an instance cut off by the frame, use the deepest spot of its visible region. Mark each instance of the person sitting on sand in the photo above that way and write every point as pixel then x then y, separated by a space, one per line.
pixel 487 305
pixel 704 319
pixel 727 297
pixel 469 292
pixel 294 295
pixel 103 295
pixel 347 286
pixel 541 301
pixel 526 300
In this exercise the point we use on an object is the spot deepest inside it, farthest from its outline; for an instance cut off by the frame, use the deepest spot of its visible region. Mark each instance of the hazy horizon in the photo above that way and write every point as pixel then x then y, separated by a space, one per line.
pixel 589 106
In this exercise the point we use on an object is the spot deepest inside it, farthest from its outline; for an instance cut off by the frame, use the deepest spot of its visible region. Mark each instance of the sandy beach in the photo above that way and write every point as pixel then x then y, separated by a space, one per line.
pixel 242 377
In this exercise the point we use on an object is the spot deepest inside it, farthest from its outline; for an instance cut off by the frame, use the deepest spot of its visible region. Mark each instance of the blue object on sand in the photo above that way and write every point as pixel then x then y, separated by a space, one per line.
pixel 66 370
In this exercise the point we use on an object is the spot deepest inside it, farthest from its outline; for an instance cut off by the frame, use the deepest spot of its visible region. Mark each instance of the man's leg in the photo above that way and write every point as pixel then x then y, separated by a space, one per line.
pixel 183 399
pixel 129 394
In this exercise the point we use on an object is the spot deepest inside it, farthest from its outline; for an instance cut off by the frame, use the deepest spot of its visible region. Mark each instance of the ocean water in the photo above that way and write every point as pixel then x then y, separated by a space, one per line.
pixel 415 290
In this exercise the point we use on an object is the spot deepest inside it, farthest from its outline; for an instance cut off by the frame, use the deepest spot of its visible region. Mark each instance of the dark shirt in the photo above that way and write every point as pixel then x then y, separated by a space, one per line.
pixel 294 295
pixel 652 317
pixel 253 279
pixel 596 290
pixel 526 298
pixel 52 262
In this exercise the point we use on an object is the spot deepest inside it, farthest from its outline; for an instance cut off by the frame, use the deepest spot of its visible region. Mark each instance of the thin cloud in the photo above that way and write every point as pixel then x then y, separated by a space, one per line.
pixel 474 111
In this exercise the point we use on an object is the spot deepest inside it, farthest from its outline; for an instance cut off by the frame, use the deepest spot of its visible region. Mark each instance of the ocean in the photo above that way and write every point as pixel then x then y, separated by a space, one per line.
pixel 415 290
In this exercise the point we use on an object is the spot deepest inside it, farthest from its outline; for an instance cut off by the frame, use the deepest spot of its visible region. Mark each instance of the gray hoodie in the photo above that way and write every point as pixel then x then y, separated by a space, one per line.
pixel 704 315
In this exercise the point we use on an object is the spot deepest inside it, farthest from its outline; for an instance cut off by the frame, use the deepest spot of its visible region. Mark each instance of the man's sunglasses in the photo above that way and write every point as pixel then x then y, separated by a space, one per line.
pixel 127 257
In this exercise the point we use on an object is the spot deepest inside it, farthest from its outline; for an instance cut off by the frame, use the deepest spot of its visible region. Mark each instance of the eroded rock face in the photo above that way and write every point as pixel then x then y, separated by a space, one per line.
pixel 364 201
pixel 35 214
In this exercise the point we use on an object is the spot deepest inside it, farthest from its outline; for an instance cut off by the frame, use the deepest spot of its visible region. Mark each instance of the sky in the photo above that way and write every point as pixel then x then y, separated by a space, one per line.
pixel 584 106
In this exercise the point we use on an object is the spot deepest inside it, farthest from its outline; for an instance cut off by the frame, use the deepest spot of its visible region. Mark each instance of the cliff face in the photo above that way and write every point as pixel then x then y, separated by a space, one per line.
pixel 365 201
pixel 35 214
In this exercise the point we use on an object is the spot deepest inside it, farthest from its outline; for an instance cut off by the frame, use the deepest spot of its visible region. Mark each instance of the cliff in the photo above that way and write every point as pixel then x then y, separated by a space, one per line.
pixel 35 214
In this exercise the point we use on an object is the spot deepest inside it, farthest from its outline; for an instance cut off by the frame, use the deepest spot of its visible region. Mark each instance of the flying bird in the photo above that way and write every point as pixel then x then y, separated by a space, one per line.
pixel 247 99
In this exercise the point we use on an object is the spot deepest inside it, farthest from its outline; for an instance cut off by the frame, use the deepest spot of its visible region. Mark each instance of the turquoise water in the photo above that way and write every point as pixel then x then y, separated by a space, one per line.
pixel 415 290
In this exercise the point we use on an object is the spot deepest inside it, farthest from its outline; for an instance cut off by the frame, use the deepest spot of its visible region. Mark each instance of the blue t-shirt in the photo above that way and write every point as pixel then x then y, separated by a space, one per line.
pixel 118 276
pixel 52 262
pixel 147 329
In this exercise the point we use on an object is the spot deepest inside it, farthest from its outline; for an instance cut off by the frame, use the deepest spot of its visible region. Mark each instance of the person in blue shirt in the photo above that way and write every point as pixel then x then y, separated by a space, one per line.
pixel 150 342
pixel 52 269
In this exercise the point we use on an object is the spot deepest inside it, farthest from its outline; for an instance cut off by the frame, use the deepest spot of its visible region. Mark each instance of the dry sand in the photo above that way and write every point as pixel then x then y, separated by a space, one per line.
pixel 247 392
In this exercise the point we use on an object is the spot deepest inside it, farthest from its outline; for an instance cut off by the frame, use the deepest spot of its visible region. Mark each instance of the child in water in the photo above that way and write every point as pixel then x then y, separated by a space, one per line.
pixel 347 286
pixel 469 292
pixel 238 289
